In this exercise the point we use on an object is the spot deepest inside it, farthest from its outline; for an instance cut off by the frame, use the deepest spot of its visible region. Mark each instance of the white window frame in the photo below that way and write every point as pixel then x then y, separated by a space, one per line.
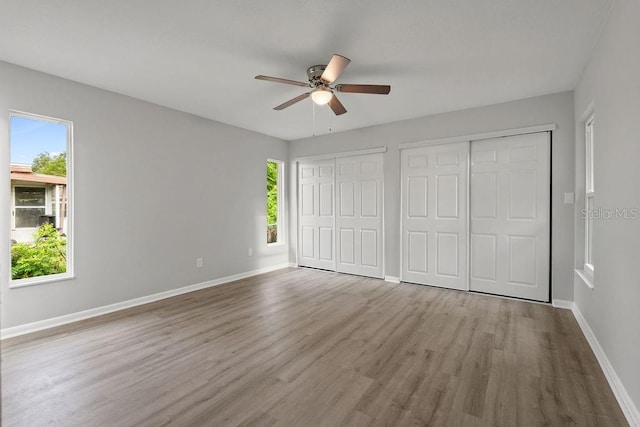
pixel 280 224
pixel 589 197
pixel 69 274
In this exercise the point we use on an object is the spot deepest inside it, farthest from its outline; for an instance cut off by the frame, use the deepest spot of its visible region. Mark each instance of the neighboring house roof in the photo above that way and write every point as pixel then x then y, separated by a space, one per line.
pixel 24 173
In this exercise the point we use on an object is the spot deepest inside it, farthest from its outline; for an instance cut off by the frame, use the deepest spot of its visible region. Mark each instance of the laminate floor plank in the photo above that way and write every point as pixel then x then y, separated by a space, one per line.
pixel 302 347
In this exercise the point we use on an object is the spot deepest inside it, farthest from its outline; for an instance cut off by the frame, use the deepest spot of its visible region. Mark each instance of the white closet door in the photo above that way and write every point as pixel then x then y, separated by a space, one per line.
pixel 434 215
pixel 359 181
pixel 510 216
pixel 315 215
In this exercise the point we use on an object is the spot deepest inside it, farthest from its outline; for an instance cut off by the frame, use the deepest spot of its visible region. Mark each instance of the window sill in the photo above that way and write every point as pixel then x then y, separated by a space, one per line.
pixel 588 281
pixel 23 283
pixel 271 245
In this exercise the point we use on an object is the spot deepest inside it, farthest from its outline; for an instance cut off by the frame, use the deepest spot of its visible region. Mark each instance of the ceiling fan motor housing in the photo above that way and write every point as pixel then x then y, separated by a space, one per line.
pixel 315 72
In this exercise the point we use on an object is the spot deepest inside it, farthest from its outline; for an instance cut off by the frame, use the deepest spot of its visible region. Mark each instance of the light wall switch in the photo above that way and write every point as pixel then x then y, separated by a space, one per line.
pixel 198 262
pixel 250 252
pixel 569 198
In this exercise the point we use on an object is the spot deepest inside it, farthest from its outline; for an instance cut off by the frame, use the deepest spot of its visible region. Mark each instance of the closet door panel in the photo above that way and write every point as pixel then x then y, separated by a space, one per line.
pixel 510 216
pixel 316 214
pixel 434 215
pixel 359 183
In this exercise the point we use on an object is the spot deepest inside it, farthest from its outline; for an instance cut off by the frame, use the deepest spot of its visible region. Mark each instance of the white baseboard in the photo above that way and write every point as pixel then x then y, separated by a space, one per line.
pixel 293 265
pixel 98 311
pixel 559 303
pixel 624 400
pixel 392 279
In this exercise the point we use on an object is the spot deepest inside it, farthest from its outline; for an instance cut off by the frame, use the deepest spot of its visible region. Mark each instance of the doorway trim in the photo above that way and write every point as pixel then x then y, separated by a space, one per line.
pixel 382 149
pixel 479 136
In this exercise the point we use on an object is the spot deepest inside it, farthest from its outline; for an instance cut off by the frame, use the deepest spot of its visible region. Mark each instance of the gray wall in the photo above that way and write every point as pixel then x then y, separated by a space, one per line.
pixel 611 82
pixel 556 108
pixel 154 189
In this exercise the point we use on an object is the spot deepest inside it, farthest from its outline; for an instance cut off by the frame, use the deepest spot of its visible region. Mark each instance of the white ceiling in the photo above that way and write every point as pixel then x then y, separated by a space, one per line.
pixel 200 56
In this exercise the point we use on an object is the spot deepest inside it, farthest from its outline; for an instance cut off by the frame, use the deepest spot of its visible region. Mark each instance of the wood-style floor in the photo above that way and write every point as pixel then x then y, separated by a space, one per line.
pixel 301 347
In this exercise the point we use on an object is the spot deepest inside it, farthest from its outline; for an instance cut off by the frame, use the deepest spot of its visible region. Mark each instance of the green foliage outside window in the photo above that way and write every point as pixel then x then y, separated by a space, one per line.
pixel 46 255
pixel 48 164
pixel 272 202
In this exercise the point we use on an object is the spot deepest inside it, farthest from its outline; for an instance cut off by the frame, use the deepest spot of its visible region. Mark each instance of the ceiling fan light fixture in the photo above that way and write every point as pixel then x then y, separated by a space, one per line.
pixel 321 96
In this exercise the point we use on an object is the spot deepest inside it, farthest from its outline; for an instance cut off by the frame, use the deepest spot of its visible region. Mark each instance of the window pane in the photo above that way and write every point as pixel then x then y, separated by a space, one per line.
pixel 26 196
pixel 28 217
pixel 589 233
pixel 273 200
pixel 589 129
pixel 39 149
pixel 589 190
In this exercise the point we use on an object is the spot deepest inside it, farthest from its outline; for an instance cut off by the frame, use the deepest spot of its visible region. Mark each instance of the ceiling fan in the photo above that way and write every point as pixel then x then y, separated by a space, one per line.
pixel 321 79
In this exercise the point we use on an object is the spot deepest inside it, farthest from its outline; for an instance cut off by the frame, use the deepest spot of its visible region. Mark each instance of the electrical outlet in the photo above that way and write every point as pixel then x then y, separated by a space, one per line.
pixel 198 262
pixel 250 252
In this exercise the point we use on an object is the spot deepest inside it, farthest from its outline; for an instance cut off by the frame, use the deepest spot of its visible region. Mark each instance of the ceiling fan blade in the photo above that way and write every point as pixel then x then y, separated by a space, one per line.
pixel 336 106
pixel 374 89
pixel 279 80
pixel 335 67
pixel 292 101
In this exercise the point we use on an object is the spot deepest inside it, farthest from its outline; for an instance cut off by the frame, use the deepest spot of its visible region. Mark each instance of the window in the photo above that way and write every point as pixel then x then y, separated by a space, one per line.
pixel 589 196
pixel 274 202
pixel 29 206
pixel 41 193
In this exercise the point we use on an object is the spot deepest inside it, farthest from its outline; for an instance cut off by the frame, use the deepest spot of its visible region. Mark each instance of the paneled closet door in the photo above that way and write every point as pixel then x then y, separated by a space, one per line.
pixel 510 216
pixel 434 215
pixel 316 215
pixel 359 208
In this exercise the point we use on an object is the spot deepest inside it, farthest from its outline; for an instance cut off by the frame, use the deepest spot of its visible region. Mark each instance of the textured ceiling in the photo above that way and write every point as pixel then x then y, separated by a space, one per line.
pixel 200 56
